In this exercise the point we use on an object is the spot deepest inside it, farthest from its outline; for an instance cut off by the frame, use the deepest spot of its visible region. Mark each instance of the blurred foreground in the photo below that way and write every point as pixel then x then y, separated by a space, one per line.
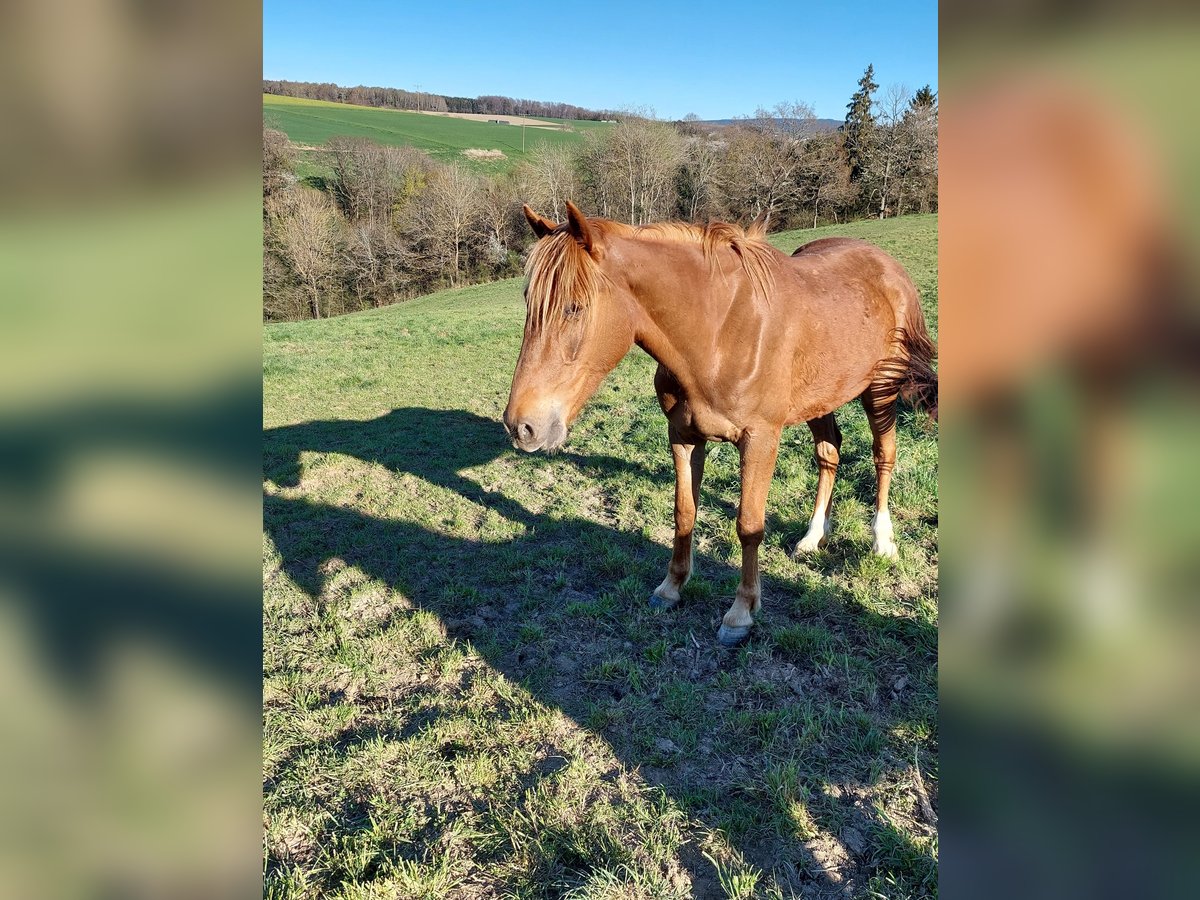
pixel 1069 338
pixel 130 265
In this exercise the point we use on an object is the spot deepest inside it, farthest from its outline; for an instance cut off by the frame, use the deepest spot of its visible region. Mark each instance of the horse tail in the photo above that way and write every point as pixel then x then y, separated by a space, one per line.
pixel 909 373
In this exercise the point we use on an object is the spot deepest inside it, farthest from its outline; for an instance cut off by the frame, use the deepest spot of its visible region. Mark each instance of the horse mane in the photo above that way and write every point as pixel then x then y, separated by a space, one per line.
pixel 757 256
pixel 560 272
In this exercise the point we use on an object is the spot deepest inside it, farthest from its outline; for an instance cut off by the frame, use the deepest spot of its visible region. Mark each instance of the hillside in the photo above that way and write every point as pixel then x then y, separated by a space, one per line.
pixel 465 693
pixel 310 123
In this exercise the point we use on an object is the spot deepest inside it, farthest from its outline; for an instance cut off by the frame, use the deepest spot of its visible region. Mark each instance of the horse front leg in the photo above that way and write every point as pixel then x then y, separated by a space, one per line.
pixel 689 472
pixel 758 451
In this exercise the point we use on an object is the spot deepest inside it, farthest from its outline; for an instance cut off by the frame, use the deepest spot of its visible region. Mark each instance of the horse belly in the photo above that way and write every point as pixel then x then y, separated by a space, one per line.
pixel 836 357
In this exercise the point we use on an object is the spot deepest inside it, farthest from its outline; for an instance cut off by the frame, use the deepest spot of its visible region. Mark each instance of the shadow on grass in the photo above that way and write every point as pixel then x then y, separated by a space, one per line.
pixel 86 594
pixel 564 578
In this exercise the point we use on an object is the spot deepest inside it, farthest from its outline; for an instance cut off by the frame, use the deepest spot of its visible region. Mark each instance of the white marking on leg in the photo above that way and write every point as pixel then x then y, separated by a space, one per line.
pixel 884 543
pixel 668 590
pixel 818 533
pixel 738 615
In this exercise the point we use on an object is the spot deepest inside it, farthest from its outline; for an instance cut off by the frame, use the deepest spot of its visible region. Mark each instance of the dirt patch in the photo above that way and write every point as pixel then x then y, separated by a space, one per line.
pixel 476 153
pixel 507 120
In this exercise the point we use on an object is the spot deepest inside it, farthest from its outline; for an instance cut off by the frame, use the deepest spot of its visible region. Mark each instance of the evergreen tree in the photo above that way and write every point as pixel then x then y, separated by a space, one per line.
pixel 924 99
pixel 859 128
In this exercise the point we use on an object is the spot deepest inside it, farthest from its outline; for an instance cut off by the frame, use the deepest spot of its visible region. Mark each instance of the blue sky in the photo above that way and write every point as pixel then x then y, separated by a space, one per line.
pixel 716 59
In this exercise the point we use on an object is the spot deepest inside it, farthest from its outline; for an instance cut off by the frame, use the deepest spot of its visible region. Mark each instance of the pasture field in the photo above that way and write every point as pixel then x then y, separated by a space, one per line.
pixel 576 124
pixel 465 692
pixel 313 122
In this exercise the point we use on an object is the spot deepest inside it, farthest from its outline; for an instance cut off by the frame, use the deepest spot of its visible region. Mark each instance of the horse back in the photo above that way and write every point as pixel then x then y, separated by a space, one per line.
pixel 864 259
pixel 847 299
pixel 829 243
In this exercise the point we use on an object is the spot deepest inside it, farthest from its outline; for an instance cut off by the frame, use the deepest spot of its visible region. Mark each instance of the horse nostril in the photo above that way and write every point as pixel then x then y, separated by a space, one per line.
pixel 524 432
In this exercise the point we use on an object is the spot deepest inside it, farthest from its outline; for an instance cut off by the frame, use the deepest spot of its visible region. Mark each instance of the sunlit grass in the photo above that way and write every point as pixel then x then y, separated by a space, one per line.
pixel 464 691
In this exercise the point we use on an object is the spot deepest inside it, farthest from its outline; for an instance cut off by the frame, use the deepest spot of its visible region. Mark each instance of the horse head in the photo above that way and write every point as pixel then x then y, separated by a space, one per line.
pixel 577 328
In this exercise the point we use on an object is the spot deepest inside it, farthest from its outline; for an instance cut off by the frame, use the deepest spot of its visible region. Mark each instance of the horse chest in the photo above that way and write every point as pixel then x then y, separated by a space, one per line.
pixel 698 420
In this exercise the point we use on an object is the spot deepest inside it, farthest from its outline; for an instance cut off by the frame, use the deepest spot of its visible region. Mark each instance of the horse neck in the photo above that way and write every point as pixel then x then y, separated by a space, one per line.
pixel 675 333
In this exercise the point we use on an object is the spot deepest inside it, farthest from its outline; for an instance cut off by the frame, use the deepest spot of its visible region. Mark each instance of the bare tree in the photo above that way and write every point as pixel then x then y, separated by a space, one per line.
pixel 883 166
pixel 599 180
pixel 762 168
pixel 279 158
pixel 372 180
pixel 630 169
pixel 376 260
pixel 697 177
pixel 754 175
pixel 548 179
pixel 825 175
pixel 919 163
pixel 448 215
pixel 305 231
pixel 502 224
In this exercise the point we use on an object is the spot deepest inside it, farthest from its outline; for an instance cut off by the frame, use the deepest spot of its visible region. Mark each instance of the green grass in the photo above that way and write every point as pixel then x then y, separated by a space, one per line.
pixel 314 122
pixel 576 124
pixel 465 694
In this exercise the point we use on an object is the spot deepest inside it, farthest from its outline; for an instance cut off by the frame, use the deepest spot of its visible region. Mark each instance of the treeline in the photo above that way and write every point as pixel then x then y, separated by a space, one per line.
pixel 395 98
pixel 389 223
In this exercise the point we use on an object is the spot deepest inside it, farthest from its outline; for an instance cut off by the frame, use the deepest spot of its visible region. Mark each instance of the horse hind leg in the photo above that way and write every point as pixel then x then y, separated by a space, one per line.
pixel 880 406
pixel 827 443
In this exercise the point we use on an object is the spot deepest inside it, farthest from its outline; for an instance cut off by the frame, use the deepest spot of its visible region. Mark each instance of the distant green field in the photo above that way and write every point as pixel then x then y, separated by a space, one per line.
pixel 314 122
pixel 577 124
pixel 465 692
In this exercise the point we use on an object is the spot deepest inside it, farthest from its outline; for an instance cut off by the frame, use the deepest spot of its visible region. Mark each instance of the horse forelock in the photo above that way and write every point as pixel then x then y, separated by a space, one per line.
pixel 559 274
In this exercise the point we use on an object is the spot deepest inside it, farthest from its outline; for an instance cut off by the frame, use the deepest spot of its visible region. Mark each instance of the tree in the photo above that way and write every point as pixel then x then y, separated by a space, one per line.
pixel 503 227
pixel 447 218
pixel 304 230
pixel 882 168
pixel 920 165
pixel 826 175
pixel 924 98
pixel 372 180
pixel 376 260
pixel 763 161
pixel 696 181
pixel 859 127
pixel 548 179
pixel 279 158
pixel 630 169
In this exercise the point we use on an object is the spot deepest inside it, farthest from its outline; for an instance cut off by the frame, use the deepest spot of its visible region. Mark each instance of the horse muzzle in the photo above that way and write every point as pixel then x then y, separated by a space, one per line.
pixel 530 435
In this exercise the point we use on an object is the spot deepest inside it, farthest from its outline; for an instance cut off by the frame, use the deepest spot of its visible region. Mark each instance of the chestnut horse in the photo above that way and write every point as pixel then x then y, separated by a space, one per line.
pixel 747 341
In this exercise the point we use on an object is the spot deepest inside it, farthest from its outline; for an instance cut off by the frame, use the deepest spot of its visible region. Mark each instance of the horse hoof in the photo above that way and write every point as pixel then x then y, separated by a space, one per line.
pixel 657 603
pixel 733 635
pixel 808 548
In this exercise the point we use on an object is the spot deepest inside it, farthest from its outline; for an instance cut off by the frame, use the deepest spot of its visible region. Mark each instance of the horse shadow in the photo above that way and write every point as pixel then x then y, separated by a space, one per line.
pixel 512 599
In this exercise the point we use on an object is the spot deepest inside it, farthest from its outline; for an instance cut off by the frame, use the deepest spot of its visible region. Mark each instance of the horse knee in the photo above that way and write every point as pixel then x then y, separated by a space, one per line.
pixel 750 532
pixel 827 455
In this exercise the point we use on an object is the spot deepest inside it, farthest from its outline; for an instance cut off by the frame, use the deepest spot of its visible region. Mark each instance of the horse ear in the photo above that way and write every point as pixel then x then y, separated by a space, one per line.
pixel 541 227
pixel 578 224
pixel 758 228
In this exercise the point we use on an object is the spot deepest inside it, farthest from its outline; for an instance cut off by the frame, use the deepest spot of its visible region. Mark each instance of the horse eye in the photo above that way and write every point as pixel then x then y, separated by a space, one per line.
pixel 574 310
